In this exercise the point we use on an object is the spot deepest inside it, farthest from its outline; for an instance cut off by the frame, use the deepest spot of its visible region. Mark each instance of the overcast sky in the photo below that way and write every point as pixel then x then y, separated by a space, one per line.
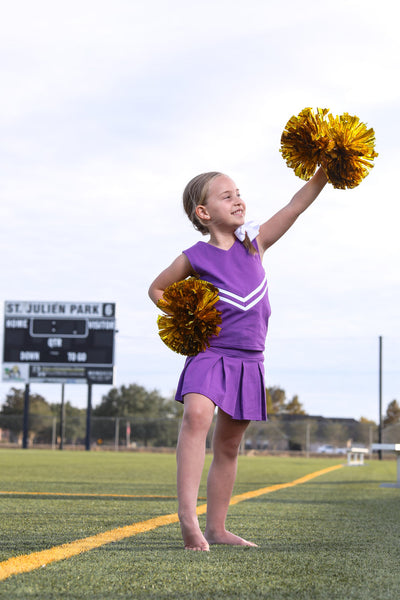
pixel 107 109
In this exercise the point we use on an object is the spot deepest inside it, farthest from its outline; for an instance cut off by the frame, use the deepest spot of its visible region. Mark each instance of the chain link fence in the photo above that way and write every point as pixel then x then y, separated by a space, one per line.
pixel 283 433
pixel 105 432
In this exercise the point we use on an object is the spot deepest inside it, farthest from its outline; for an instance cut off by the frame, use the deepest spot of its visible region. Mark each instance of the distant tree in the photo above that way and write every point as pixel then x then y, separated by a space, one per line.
pixel 75 421
pixel 39 414
pixel 14 403
pixel 392 413
pixel 278 399
pixel 270 407
pixel 132 400
pixel 277 403
pixel 366 421
pixel 294 407
pixel 148 413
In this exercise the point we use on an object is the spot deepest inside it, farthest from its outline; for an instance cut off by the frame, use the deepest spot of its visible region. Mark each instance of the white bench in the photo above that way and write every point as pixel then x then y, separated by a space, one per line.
pixel 355 456
pixel 390 448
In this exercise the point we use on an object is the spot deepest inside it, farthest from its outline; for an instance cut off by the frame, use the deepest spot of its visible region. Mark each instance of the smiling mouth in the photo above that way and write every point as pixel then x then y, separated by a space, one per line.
pixel 239 211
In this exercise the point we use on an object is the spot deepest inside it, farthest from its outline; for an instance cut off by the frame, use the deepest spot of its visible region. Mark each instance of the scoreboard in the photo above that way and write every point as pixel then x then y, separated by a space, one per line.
pixel 65 342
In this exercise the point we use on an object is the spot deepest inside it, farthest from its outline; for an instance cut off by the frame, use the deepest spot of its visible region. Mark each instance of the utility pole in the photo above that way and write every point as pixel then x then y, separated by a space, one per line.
pixel 380 396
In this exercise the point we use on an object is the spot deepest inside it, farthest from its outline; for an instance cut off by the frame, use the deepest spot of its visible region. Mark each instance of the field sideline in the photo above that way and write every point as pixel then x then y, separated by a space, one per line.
pixel 324 530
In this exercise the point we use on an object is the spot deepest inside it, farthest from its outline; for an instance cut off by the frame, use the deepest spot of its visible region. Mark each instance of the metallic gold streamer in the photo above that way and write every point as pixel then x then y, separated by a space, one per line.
pixel 191 317
pixel 303 140
pixel 349 156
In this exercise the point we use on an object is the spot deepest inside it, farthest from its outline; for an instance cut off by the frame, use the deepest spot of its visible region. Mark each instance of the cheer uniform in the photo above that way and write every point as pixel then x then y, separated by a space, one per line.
pixel 231 371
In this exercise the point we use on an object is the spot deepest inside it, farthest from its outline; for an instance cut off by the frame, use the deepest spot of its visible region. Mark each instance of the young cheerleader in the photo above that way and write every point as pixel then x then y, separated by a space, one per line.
pixel 230 373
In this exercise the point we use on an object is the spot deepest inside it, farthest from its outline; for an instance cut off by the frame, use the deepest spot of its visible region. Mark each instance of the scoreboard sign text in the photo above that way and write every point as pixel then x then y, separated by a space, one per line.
pixel 70 342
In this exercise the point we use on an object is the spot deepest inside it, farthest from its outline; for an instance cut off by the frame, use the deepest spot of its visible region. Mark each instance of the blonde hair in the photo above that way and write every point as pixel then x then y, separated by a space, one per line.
pixel 194 194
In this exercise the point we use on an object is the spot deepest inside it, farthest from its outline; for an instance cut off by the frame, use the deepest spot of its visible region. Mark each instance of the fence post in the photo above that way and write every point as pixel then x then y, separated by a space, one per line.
pixel 116 441
pixel 54 434
pixel 62 418
pixel 128 434
pixel 308 428
pixel 26 417
pixel 88 416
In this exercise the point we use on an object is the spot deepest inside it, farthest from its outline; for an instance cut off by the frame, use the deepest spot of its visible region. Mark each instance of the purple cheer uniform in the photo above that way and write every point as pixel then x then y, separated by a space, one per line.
pixel 231 371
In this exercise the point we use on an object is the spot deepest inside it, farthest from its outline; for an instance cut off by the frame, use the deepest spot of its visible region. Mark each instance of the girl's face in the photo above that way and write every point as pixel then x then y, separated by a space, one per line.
pixel 224 207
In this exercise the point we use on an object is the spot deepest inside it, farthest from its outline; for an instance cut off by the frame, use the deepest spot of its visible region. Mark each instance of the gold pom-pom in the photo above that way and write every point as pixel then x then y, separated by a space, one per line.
pixel 342 145
pixel 303 140
pixel 349 156
pixel 191 317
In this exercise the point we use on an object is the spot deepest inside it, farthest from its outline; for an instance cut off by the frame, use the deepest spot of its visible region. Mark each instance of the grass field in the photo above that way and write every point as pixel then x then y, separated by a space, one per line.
pixel 336 536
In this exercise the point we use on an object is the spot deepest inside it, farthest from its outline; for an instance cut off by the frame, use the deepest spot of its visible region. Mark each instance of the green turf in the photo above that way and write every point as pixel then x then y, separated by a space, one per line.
pixel 335 537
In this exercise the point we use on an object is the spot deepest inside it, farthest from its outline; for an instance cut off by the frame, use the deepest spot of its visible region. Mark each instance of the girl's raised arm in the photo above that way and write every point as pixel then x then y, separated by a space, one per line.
pixel 276 226
pixel 178 270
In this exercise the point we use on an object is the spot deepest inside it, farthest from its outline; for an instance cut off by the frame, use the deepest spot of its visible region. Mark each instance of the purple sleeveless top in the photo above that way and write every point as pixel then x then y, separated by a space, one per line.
pixel 243 292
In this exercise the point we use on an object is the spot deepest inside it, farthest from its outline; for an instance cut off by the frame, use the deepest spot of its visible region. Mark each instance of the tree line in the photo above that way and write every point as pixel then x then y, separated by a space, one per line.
pixel 151 419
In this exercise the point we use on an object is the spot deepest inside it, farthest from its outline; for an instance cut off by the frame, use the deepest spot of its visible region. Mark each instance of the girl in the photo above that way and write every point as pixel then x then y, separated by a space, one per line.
pixel 230 373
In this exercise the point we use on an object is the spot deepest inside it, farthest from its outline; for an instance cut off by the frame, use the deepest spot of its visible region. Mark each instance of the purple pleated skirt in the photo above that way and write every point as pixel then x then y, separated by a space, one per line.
pixel 232 379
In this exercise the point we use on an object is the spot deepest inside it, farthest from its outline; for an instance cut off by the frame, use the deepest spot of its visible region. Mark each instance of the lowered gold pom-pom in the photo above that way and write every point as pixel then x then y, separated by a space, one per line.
pixel 342 145
pixel 303 140
pixel 191 317
pixel 349 155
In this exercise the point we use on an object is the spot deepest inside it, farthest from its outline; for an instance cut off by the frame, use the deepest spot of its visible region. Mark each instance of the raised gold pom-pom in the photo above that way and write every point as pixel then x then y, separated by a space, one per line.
pixel 349 156
pixel 191 317
pixel 342 145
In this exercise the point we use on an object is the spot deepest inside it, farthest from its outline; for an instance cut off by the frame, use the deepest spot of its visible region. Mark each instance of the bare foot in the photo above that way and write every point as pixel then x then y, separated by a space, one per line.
pixel 192 536
pixel 226 537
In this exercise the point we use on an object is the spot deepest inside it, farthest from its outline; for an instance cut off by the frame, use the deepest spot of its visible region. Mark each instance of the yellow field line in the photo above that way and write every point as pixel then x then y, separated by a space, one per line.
pixel 281 486
pixel 30 562
pixel 202 509
pixel 85 494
